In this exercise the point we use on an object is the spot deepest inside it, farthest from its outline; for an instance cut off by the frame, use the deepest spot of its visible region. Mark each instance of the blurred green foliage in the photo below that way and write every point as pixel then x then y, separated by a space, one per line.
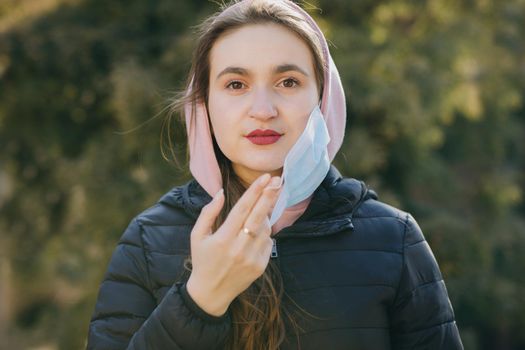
pixel 436 124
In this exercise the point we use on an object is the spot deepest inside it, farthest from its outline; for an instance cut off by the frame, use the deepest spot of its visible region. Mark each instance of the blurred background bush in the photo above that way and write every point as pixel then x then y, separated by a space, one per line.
pixel 436 125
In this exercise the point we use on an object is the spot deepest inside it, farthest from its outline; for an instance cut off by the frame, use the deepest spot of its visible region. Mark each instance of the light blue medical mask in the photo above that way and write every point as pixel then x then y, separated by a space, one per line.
pixel 305 165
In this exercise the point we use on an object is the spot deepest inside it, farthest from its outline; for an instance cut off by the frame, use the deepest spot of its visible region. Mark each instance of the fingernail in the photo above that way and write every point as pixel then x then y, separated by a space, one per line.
pixel 274 184
pixel 264 178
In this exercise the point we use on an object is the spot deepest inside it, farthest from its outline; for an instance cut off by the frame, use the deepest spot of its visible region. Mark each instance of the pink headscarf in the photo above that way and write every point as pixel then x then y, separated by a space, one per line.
pixel 203 163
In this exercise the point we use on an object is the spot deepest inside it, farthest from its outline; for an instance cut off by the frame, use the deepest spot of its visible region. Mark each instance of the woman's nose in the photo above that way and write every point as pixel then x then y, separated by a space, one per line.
pixel 263 106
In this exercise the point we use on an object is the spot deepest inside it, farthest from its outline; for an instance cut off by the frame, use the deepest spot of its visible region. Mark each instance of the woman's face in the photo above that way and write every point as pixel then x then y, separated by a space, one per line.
pixel 262 90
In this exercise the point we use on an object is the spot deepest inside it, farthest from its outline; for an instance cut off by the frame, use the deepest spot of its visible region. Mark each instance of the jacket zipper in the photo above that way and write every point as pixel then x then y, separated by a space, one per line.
pixel 347 224
pixel 274 249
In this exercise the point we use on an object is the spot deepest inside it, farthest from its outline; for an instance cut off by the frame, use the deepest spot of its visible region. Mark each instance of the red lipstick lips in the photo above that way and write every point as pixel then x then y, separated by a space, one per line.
pixel 263 137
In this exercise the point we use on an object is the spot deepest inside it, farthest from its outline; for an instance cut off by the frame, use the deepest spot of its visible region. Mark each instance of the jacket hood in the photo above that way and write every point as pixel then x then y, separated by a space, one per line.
pixel 330 211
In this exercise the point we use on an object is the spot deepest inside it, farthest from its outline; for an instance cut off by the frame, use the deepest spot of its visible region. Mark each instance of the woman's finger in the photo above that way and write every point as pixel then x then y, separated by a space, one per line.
pixel 203 225
pixel 262 208
pixel 240 211
pixel 249 248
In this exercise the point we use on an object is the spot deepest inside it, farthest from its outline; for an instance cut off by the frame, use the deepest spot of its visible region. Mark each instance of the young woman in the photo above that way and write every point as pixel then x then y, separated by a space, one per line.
pixel 268 246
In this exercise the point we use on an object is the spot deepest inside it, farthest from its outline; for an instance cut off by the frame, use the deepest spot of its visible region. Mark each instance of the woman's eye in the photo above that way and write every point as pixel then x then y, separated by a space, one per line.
pixel 290 83
pixel 235 85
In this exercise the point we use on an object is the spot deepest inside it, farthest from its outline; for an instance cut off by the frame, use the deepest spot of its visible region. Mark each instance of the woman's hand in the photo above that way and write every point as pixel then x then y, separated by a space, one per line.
pixel 226 262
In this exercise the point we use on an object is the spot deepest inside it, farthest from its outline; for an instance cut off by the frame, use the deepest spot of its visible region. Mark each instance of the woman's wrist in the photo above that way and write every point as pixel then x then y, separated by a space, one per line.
pixel 211 303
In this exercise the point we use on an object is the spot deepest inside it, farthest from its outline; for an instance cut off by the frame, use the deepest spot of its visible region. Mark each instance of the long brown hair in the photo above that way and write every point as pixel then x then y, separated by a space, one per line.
pixel 258 313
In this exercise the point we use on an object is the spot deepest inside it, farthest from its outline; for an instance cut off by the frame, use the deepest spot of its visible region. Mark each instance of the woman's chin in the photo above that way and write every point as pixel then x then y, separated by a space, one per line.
pixel 266 166
pixel 261 166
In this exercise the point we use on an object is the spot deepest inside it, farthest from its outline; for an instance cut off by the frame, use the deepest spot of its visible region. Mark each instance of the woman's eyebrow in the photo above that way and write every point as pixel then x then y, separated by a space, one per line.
pixel 232 70
pixel 287 67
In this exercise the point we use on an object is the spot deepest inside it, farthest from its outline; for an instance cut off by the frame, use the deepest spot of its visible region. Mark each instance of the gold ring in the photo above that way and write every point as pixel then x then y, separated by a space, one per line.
pixel 248 232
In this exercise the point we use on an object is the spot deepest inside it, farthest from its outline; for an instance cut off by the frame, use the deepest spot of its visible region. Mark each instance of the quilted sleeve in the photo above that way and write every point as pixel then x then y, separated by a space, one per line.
pixel 422 315
pixel 127 316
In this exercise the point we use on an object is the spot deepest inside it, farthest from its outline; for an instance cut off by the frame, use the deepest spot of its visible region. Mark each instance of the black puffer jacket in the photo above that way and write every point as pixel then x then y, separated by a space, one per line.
pixel 361 266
